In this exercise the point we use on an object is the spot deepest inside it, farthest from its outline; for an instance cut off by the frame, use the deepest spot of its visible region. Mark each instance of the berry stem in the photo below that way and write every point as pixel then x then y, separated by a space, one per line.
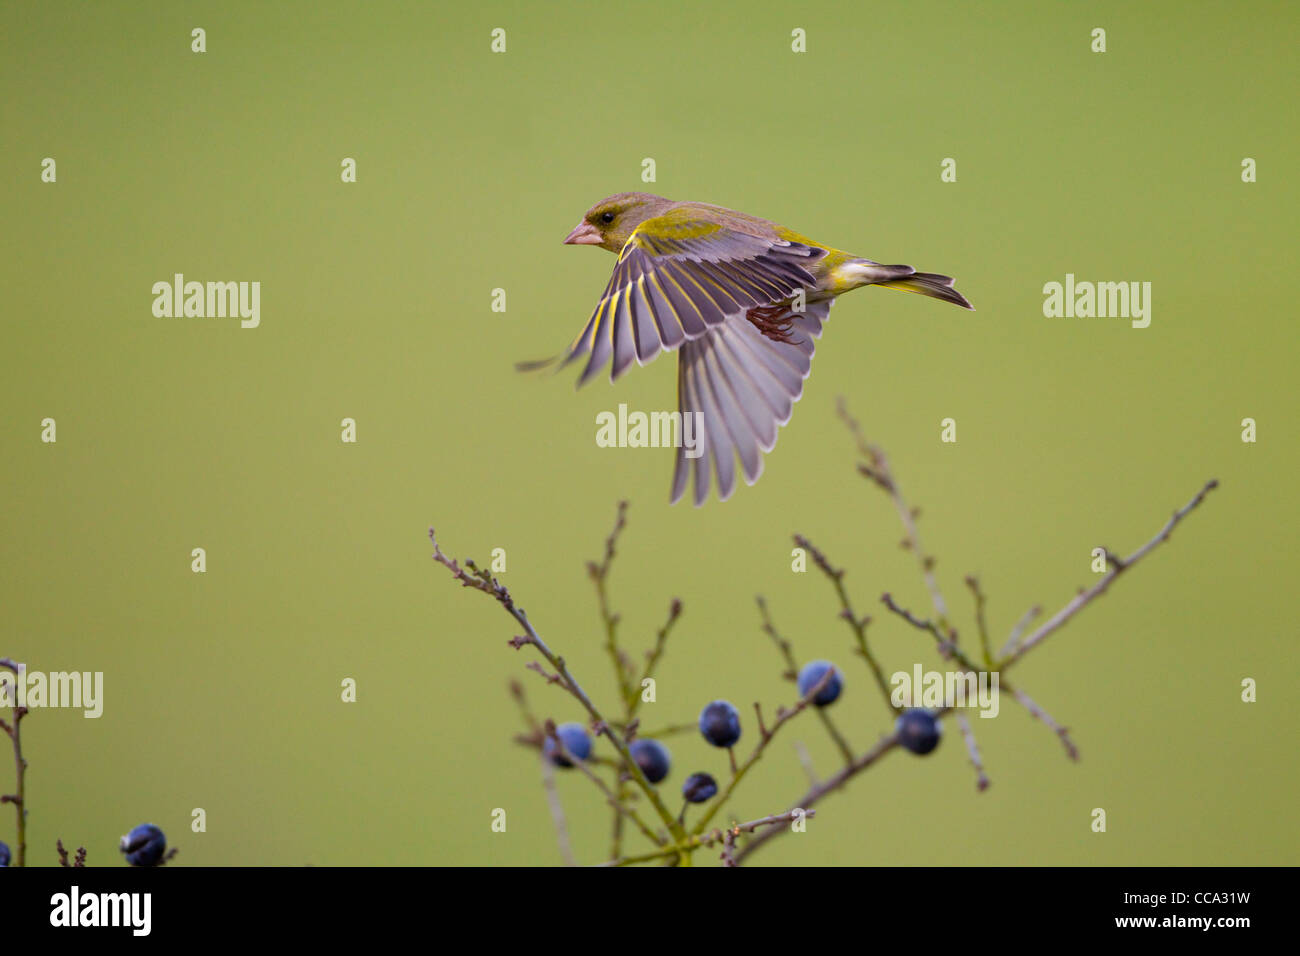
pixel 792 669
pixel 783 716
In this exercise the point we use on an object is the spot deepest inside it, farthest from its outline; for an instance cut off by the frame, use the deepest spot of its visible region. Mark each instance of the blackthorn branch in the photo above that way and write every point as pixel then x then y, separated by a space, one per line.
pixel 18 797
pixel 642 762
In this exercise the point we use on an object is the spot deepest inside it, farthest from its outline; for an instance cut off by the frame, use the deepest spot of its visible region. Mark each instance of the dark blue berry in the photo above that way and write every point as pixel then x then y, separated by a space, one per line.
pixel 576 741
pixel 720 724
pixel 144 846
pixel 699 787
pixel 652 757
pixel 4 854
pixel 918 731
pixel 812 675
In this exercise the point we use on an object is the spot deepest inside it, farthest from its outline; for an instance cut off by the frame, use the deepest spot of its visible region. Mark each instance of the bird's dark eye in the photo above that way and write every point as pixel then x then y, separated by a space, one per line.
pixel 607 217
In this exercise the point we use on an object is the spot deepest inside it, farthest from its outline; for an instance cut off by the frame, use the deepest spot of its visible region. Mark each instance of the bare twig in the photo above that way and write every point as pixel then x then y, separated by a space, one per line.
pixel 1013 639
pixel 78 861
pixel 878 471
pixel 659 733
pixel 517 692
pixel 972 748
pixel 557 811
pixel 653 655
pixel 599 573
pixel 858 624
pixel 946 646
pixel 481 580
pixel 792 673
pixel 1084 598
pixel 1027 702
pixel 549 677
pixel 728 854
pixel 768 824
pixel 620 806
pixel 14 731
pixel 839 779
pixel 542 731
pixel 832 783
pixel 981 624
pixel 629 691
pixel 969 666
pixel 548 774
pixel 805 761
pixel 876 468
pixel 782 645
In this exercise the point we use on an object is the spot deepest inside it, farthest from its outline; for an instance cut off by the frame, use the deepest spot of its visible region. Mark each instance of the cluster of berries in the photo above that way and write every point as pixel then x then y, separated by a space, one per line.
pixel 918 731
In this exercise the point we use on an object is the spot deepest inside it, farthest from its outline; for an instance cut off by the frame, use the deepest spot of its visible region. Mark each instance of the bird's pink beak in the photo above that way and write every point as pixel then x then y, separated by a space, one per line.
pixel 584 234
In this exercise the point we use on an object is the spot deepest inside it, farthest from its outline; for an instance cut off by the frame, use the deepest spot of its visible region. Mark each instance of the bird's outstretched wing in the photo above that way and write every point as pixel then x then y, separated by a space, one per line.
pixel 744 385
pixel 678 278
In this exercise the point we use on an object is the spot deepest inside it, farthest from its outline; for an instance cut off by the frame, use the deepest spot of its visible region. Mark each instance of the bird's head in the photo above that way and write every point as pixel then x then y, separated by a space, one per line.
pixel 611 221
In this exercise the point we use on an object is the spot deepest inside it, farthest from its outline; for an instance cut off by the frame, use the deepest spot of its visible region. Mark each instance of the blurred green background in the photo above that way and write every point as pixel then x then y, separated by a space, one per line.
pixel 223 689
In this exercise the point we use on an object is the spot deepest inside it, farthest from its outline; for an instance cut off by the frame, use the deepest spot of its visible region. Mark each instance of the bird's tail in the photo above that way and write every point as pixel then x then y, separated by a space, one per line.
pixel 929 283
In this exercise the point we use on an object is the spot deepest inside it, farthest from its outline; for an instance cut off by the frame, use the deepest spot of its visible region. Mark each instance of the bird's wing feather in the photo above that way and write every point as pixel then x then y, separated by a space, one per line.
pixel 745 386
pixel 677 279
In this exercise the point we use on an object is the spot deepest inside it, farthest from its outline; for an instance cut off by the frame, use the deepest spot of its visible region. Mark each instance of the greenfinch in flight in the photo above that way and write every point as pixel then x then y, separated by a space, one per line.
pixel 740 299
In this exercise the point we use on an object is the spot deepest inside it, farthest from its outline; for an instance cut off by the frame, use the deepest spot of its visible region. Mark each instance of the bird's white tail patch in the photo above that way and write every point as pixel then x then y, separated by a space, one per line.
pixel 865 272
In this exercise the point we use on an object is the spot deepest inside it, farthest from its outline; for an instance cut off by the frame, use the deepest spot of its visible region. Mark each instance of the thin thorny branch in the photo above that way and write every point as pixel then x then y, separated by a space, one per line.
pixel 1118 567
pixel 968 666
pixel 675 845
pixel 981 624
pixel 857 624
pixel 76 862
pixel 973 750
pixel 19 797
pixel 792 673
pixel 1013 639
pixel 654 654
pixel 482 580
pixel 599 573
pixel 877 470
pixel 629 689
pixel 771 824
pixel 539 733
